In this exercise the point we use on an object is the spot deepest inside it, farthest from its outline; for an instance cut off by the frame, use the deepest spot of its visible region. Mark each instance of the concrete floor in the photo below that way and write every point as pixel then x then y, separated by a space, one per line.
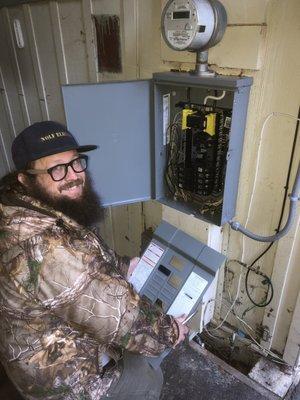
pixel 199 376
pixel 193 374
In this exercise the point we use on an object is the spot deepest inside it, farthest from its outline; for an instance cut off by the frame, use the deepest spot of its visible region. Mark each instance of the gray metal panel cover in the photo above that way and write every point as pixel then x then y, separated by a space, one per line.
pixel 234 154
pixel 187 244
pixel 165 231
pixel 116 117
pixel 211 259
pixel 217 81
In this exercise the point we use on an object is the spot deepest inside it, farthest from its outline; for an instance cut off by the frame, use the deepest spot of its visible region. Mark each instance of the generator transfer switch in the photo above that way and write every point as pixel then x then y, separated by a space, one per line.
pixel 176 270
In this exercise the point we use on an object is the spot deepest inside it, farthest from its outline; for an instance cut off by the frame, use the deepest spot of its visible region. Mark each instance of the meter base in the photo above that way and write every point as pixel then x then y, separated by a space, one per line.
pixel 207 73
pixel 201 68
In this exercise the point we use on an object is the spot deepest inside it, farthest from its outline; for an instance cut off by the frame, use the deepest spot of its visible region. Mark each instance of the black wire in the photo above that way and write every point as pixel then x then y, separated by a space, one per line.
pixel 188 95
pixel 170 155
pixel 286 188
pixel 262 254
pixel 267 280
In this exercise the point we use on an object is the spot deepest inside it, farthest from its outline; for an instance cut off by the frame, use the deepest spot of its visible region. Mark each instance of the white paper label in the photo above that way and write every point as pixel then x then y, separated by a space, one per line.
pixel 188 295
pixel 166 119
pixel 180 38
pixel 146 265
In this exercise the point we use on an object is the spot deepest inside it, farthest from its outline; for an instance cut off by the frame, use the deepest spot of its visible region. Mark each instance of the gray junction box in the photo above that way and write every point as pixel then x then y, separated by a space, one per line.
pixel 176 270
pixel 130 122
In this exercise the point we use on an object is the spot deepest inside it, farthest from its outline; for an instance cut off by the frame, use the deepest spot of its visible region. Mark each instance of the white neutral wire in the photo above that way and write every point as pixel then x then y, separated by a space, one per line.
pixel 215 97
pixel 232 305
pixel 268 117
pixel 272 114
pixel 175 117
pixel 264 349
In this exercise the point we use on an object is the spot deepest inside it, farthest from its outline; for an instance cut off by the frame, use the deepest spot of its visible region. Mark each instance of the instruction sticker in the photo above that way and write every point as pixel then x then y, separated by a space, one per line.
pixel 146 265
pixel 166 119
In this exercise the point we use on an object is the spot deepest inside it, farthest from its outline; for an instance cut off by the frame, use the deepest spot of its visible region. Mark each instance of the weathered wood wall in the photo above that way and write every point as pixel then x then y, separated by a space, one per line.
pixel 262 40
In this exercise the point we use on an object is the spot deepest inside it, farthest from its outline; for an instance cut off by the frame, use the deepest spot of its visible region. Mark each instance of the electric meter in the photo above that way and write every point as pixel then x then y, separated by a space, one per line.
pixel 193 24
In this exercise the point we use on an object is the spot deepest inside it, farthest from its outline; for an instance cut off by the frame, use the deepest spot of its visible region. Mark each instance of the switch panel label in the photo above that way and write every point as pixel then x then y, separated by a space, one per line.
pixel 146 265
pixel 188 295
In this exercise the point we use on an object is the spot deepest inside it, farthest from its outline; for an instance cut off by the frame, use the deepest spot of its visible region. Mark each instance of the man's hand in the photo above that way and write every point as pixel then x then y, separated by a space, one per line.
pixel 133 263
pixel 183 329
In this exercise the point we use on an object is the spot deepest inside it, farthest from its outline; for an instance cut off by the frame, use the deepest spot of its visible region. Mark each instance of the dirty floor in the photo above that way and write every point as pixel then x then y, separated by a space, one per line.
pixel 192 375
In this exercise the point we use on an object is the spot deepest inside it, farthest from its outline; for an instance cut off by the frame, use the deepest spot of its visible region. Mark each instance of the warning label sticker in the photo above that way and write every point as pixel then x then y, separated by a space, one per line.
pixel 146 265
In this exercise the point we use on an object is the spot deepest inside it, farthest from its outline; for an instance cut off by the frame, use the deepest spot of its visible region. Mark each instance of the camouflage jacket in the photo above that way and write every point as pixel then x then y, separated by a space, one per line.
pixel 64 302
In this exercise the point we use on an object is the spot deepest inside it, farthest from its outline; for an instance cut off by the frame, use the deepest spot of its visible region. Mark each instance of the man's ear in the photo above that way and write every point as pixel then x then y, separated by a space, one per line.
pixel 22 178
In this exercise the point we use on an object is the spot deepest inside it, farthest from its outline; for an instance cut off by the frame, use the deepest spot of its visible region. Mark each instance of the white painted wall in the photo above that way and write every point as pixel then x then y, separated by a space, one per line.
pixel 262 40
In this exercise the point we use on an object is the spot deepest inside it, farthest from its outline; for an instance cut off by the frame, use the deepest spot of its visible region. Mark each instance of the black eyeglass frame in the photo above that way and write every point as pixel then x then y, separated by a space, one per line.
pixel 66 165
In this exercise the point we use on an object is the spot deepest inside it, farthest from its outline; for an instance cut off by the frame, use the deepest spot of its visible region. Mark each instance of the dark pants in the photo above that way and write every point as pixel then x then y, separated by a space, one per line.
pixel 139 380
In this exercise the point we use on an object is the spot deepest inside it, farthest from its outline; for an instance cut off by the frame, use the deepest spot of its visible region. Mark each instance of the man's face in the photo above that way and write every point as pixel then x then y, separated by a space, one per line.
pixel 70 187
pixel 74 195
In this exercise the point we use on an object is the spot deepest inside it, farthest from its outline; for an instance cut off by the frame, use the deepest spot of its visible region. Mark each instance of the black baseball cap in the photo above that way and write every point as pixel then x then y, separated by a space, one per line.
pixel 43 139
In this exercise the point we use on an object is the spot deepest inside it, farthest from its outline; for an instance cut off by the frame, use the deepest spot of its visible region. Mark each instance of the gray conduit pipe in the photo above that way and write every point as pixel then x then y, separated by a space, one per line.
pixel 294 197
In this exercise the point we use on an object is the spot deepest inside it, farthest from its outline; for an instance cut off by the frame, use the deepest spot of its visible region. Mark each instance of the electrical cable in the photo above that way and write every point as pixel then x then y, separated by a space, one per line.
pixel 176 164
pixel 266 351
pixel 262 254
pixel 286 187
pixel 232 305
pixel 215 97
pixel 293 198
pixel 250 268
pixel 173 151
pixel 267 280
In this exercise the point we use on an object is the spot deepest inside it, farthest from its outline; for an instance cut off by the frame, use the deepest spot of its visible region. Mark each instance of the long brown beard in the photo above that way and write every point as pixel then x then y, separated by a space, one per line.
pixel 86 211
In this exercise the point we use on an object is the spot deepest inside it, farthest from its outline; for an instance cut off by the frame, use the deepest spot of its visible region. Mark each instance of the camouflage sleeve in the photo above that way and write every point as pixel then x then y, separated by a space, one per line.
pixel 121 263
pixel 151 332
pixel 102 303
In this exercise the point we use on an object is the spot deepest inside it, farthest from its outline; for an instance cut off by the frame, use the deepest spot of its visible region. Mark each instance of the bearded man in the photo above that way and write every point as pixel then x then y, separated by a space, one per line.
pixel 72 326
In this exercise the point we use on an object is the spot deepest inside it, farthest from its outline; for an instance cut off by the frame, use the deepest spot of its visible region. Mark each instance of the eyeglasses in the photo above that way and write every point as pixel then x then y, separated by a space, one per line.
pixel 59 172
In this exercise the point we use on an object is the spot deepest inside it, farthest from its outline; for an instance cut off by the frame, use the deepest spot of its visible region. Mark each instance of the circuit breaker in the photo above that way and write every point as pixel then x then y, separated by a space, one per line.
pixel 176 270
pixel 196 160
pixel 176 138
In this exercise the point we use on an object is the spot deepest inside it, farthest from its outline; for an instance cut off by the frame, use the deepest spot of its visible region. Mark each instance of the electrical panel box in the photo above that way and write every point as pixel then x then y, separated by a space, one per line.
pixel 176 270
pixel 177 138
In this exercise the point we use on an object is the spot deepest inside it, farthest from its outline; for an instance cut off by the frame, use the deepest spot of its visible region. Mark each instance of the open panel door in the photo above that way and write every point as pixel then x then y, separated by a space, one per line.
pixel 116 117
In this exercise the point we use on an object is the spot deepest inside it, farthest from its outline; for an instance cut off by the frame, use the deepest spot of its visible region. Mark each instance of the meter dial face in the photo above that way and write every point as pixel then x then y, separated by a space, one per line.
pixel 193 24
pixel 179 22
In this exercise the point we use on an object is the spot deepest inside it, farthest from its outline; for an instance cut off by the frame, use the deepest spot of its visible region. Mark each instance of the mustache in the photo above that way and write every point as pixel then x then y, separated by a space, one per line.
pixel 71 184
